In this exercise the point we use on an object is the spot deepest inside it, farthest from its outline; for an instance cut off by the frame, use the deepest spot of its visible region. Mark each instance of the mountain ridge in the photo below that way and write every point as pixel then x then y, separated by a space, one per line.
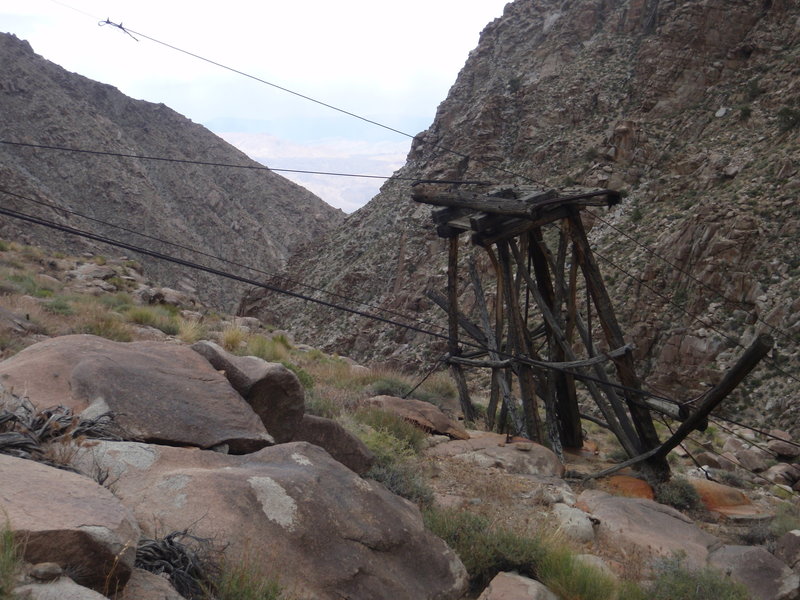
pixel 249 215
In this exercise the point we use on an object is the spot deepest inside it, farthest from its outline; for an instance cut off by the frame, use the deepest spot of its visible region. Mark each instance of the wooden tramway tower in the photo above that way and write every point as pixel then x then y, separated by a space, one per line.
pixel 548 355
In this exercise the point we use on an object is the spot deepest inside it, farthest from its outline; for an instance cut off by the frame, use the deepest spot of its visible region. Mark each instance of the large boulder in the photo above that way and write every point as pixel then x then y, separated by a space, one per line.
pixel 336 441
pixel 491 450
pixel 291 511
pixel 422 414
pixel 511 586
pixel 787 548
pixel 65 518
pixel 654 529
pixel 765 577
pixel 272 390
pixel 159 392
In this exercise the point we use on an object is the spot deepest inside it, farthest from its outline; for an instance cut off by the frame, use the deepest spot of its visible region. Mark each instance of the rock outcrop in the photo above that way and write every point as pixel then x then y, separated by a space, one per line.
pixel 290 504
pixel 69 520
pixel 158 392
pixel 248 215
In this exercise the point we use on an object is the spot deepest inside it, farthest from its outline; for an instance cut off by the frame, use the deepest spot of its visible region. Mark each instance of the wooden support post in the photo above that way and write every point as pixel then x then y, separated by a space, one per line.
pixel 516 335
pixel 498 378
pixel 453 348
pixel 643 422
pixel 569 419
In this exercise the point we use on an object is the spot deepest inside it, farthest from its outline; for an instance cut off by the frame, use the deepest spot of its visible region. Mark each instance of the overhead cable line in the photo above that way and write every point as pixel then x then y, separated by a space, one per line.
pixel 274 288
pixel 258 167
pixel 696 318
pixel 129 31
pixel 223 260
pixel 715 291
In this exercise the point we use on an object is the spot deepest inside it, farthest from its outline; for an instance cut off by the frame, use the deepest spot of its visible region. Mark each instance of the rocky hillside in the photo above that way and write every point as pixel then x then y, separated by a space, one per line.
pixel 698 125
pixel 247 216
pixel 179 454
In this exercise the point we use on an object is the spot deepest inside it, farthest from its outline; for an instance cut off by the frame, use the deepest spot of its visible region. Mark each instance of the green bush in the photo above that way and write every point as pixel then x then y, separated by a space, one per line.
pixel 239 581
pixel 9 562
pixel 788 118
pixel 270 349
pixel 27 284
pixel 787 518
pixel 675 582
pixel 306 380
pixel 678 493
pixel 119 301
pixel 408 435
pixel 395 465
pixel 59 306
pixel 107 326
pixel 484 552
pixel 154 316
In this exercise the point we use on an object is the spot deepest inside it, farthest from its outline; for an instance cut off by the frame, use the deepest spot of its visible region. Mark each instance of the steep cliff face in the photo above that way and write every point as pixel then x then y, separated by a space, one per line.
pixel 691 108
pixel 248 216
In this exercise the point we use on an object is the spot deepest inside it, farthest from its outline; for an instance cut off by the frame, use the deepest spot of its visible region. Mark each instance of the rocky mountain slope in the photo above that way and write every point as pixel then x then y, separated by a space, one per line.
pixel 248 216
pixel 697 123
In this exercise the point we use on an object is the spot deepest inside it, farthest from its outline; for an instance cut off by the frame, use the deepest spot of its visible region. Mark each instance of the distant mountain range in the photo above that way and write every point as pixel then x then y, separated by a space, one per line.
pixel 247 216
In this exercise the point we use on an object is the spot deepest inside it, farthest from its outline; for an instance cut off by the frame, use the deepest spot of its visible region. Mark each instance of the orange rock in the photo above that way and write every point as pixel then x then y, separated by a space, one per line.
pixel 716 495
pixel 630 487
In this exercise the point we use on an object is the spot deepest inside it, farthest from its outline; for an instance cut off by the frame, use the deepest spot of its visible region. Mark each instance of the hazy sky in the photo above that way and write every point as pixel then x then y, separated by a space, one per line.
pixel 391 62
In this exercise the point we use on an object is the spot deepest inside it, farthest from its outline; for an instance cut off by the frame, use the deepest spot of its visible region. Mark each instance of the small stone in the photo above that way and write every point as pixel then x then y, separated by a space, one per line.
pixel 46 571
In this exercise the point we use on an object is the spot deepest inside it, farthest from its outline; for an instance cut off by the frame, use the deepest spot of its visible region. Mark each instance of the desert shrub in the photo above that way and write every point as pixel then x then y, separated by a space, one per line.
pixel 191 331
pixel 788 118
pixel 119 301
pixel 395 466
pixel 440 385
pixel 306 380
pixel 389 385
pixel 107 326
pixel 675 582
pixel 10 562
pixel 232 338
pixel 678 493
pixel 270 349
pixel 240 581
pixel 59 306
pixel 486 551
pixel 154 316
pixel 483 551
pixel 408 435
pixel 322 406
pixel 787 518
pixel 636 214
pixel 3 246
pixel 27 284
pixel 567 577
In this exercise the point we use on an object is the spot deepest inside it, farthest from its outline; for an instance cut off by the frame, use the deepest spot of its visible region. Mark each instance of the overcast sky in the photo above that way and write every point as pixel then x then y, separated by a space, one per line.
pixel 391 62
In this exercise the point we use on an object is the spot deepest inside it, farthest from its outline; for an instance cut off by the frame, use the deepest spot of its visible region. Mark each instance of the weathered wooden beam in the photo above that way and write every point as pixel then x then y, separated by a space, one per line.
pixel 643 422
pixel 568 413
pixel 517 336
pixel 488 364
pixel 746 363
pixel 452 325
pixel 468 326
pixel 491 344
